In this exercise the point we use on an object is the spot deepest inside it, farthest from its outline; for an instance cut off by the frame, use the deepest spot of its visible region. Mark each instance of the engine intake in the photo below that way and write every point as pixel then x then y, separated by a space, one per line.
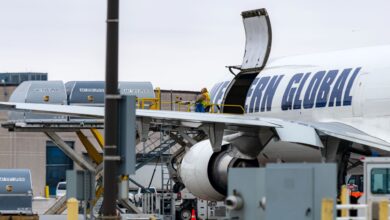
pixel 205 172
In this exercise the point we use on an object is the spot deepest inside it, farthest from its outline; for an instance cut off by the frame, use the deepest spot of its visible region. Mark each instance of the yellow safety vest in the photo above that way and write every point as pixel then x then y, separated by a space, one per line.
pixel 206 101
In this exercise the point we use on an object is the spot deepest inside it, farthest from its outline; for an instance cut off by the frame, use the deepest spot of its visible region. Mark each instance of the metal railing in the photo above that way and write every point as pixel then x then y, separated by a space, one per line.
pixel 180 105
pixel 213 107
pixel 155 104
pixel 327 213
pixel 367 210
pixel 150 203
pixel 148 103
pixel 348 207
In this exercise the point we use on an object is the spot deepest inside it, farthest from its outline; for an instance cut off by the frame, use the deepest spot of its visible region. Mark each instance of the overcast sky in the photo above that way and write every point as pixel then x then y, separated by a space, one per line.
pixel 175 44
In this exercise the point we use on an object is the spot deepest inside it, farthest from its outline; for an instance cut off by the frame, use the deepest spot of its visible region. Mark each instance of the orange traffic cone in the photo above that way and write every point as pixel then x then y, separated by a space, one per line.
pixel 193 217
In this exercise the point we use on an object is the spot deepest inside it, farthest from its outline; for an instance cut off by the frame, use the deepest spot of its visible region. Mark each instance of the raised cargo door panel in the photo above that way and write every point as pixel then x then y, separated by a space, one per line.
pixel 257 49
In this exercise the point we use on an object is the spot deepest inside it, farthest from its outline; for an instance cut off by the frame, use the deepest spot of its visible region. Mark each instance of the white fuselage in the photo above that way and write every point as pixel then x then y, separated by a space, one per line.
pixel 351 86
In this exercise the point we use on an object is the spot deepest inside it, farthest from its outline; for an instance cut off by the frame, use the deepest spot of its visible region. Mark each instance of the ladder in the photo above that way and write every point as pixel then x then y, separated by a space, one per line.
pixel 155 153
pixel 167 200
pixel 98 205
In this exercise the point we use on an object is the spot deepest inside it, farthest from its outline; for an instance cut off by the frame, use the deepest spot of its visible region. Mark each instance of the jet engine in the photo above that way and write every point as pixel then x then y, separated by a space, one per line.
pixel 205 172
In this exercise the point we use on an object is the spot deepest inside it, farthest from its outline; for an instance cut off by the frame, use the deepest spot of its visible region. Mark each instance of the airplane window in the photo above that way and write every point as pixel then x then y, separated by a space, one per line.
pixel 380 181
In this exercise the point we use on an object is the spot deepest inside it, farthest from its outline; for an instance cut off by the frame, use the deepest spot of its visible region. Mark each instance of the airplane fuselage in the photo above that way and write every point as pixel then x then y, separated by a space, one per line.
pixel 351 86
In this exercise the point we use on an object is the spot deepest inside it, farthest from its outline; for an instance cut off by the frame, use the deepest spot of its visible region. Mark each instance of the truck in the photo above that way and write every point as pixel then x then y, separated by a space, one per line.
pixel 376 179
pixel 375 182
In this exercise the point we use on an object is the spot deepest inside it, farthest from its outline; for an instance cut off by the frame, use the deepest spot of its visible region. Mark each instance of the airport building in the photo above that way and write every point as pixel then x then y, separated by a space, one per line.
pixel 34 150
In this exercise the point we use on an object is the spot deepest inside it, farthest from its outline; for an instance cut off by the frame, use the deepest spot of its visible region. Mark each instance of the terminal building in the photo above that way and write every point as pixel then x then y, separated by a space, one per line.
pixel 34 150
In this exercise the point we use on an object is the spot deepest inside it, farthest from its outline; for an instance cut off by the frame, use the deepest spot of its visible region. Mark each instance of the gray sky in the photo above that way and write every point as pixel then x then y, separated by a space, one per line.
pixel 176 44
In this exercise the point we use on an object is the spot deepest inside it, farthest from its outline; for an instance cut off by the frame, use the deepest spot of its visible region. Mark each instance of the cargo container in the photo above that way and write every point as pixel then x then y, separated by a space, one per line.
pixel 47 92
pixel 15 192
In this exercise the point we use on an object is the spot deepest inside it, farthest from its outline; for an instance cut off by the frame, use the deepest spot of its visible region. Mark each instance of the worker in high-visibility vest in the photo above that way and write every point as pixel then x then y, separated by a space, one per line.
pixel 203 101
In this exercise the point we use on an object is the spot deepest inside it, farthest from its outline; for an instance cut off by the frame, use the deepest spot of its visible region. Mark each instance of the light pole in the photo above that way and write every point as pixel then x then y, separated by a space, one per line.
pixel 111 176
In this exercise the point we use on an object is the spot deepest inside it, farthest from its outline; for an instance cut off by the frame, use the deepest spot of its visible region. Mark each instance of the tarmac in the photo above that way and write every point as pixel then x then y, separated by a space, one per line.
pixel 41 204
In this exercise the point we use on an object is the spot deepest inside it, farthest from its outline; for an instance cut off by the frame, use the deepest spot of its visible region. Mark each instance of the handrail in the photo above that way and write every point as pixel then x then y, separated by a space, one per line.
pixel 383 210
pixel 351 206
pixel 156 103
pixel 218 106
pixel 351 218
pixel 227 105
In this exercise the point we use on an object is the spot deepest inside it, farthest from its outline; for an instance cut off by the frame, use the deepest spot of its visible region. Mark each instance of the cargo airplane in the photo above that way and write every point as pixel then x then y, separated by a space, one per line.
pixel 320 107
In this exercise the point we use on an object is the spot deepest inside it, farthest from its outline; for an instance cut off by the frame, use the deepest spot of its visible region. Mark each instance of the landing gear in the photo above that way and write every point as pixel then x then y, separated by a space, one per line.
pixel 185 210
pixel 339 152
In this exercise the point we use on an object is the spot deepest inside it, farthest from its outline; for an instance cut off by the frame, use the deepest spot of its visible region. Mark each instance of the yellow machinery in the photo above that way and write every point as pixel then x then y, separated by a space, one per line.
pixel 150 103
pixel 155 104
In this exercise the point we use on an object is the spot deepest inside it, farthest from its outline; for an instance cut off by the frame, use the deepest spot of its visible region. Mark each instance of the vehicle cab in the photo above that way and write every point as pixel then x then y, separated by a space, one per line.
pixel 376 184
pixel 376 179
pixel 61 189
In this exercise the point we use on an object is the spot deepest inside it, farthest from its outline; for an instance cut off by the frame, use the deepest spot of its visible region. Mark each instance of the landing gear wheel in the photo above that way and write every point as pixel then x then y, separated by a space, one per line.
pixel 185 214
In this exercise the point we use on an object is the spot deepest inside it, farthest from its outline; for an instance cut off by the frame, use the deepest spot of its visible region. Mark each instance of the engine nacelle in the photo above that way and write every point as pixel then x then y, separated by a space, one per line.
pixel 204 172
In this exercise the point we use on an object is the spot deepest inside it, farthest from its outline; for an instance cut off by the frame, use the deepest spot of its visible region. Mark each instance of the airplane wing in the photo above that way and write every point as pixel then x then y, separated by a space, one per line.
pixel 349 133
pixel 288 131
pixel 191 119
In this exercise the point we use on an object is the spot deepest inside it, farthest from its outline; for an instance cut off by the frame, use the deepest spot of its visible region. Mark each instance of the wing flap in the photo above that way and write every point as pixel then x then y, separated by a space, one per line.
pixel 297 133
pixel 349 133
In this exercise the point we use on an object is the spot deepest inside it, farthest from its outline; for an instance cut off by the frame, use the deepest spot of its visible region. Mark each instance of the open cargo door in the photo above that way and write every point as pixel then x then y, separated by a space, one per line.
pixel 257 49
